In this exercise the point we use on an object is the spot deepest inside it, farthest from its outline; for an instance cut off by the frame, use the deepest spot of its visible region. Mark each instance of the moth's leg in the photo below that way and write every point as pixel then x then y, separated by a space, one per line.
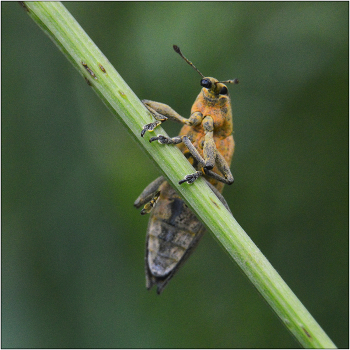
pixel 149 192
pixel 148 206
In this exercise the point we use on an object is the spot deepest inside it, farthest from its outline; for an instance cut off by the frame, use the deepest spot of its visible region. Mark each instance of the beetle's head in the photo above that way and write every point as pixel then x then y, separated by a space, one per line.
pixel 213 86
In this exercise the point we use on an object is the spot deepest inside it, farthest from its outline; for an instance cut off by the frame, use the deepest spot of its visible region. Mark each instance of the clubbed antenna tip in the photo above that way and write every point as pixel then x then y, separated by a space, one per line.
pixel 177 50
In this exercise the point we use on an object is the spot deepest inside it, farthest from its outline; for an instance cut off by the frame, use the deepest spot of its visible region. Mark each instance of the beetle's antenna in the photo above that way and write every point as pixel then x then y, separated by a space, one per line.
pixel 177 49
pixel 234 81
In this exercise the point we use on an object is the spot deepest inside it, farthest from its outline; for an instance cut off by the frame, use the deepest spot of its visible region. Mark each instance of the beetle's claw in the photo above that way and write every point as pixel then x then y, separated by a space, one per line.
pixel 149 127
pixel 191 178
pixel 160 138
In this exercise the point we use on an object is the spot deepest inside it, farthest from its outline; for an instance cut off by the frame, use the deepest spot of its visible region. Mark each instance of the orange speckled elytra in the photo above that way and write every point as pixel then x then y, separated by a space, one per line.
pixel 206 140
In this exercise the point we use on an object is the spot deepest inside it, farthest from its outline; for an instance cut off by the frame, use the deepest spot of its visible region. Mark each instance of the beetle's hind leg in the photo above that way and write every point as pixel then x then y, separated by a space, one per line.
pixel 197 157
pixel 224 169
pixel 219 161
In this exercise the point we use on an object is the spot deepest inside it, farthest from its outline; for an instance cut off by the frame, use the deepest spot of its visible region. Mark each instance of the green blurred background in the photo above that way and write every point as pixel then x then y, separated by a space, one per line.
pixel 72 243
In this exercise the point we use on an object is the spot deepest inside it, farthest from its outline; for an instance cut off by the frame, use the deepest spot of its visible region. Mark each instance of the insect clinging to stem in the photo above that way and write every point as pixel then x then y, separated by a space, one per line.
pixel 206 141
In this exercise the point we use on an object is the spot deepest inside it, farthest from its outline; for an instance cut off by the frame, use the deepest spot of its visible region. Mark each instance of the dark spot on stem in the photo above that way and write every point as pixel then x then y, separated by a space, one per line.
pixel 306 332
pixel 214 203
pixel 102 68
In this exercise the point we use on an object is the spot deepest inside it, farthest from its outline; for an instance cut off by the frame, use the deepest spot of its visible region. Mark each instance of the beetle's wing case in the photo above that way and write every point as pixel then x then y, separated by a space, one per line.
pixel 173 232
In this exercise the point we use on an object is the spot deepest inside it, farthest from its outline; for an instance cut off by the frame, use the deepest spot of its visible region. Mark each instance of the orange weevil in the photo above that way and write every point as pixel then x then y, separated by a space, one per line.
pixel 206 141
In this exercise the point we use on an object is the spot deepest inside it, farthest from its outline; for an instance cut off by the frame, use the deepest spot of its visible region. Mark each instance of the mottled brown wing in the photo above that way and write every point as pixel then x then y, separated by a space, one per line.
pixel 173 233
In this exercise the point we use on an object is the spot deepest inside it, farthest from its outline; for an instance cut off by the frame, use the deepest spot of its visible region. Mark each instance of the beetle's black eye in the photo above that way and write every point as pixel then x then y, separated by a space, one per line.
pixel 206 83
pixel 223 91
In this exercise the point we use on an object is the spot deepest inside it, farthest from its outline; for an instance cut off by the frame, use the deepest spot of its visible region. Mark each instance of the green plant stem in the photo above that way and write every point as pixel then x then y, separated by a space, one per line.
pixel 71 39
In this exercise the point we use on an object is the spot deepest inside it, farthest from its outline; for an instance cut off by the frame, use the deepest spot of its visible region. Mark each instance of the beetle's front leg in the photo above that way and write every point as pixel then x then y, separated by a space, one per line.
pixel 209 147
pixel 159 118
pixel 161 113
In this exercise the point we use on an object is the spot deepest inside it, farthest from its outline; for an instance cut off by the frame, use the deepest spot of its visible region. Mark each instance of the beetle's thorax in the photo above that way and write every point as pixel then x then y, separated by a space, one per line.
pixel 218 106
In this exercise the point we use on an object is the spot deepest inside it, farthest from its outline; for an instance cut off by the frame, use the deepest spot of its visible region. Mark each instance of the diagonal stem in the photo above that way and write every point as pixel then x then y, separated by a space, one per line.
pixel 71 39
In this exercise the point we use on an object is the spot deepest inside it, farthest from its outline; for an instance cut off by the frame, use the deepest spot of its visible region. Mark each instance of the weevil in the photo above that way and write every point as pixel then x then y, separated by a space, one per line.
pixel 206 141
